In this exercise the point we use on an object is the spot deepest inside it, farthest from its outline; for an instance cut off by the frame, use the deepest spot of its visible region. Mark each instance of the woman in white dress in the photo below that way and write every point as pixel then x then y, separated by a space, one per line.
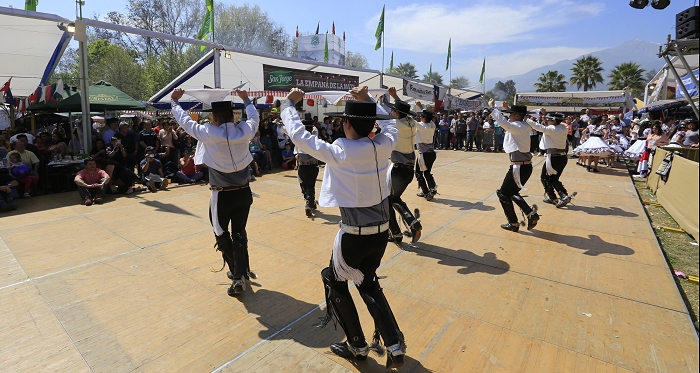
pixel 595 147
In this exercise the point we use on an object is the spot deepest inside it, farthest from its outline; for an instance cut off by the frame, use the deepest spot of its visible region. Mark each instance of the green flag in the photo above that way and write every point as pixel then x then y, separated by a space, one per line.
pixel 317 26
pixel 207 23
pixel 430 72
pixel 380 30
pixel 391 63
pixel 483 71
pixel 31 5
pixel 325 50
pixel 449 54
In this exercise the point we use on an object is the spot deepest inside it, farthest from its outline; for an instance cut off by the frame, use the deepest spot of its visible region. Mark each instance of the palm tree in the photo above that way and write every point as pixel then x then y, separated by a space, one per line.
pixel 628 75
pixel 433 77
pixel 586 72
pixel 551 81
pixel 459 82
pixel 406 69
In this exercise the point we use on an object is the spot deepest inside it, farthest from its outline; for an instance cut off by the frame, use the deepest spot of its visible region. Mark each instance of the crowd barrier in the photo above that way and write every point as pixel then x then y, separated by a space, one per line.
pixel 679 195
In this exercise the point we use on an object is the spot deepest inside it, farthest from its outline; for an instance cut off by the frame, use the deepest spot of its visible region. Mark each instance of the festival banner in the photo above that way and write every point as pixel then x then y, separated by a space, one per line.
pixel 689 85
pixel 423 92
pixel 572 101
pixel 454 102
pixel 284 79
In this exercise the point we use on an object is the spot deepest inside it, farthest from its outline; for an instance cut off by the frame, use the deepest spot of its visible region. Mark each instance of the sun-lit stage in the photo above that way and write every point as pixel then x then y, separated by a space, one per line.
pixel 128 285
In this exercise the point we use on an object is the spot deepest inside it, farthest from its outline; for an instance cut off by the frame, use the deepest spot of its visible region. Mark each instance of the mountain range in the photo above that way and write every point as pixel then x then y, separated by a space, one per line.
pixel 642 52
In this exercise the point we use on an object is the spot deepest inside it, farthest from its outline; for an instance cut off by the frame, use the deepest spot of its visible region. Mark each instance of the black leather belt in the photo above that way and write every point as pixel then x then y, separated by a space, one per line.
pixel 228 188
pixel 403 165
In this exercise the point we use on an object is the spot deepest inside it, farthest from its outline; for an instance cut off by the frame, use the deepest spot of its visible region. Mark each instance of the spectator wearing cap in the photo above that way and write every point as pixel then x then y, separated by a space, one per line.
pixel 92 182
pixel 147 137
pixel 152 171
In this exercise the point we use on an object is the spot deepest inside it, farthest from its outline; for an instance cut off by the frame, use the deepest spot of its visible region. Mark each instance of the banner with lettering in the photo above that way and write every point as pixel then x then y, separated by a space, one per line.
pixel 284 79
pixel 689 85
pixel 454 102
pixel 423 92
pixel 573 101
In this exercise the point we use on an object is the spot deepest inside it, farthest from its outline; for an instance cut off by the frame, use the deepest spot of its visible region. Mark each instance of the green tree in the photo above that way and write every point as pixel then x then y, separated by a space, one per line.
pixel 434 77
pixel 459 82
pixel 116 65
pixel 551 81
pixel 406 69
pixel 628 75
pixel 586 73
pixel 502 91
pixel 356 59
pixel 251 28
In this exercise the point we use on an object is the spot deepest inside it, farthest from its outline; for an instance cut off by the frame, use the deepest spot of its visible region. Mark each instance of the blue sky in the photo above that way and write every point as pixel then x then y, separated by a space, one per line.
pixel 513 36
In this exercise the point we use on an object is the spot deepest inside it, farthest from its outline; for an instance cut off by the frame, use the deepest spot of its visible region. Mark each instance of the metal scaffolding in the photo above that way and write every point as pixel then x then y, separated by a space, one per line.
pixel 681 49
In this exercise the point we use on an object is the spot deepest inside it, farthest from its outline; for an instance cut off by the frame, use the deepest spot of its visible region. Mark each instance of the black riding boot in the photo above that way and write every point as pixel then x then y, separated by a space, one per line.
pixel 410 220
pixel 340 308
pixel 509 211
pixel 385 322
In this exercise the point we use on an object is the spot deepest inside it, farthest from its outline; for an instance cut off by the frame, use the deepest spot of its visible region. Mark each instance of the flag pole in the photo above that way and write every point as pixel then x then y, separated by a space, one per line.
pixel 381 76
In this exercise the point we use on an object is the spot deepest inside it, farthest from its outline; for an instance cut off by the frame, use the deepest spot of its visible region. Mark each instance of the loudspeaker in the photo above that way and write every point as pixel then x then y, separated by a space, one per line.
pixel 660 4
pixel 691 13
pixel 688 30
pixel 639 4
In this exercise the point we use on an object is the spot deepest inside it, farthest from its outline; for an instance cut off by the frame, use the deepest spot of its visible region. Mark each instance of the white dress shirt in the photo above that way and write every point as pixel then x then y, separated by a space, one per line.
pixel 224 147
pixel 518 136
pixel 425 132
pixel 356 170
pixel 553 137
pixel 407 132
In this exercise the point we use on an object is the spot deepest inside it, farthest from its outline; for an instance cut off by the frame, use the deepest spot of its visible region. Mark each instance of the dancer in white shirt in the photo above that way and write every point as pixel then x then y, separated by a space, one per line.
pixel 554 136
pixel 355 180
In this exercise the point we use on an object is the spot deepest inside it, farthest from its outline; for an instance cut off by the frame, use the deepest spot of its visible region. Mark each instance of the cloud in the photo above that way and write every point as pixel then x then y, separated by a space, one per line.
pixel 427 27
pixel 518 62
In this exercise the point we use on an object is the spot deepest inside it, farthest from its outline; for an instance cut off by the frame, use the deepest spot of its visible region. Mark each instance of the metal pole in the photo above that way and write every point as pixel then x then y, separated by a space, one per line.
pixel 217 68
pixel 685 90
pixel 84 90
pixel 381 75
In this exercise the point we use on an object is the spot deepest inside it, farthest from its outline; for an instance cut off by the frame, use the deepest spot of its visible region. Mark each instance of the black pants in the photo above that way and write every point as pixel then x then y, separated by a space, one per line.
pixel 365 254
pixel 232 207
pixel 510 192
pixel 425 178
pixel 91 192
pixel 460 140
pixel 551 182
pixel 534 143
pixel 307 180
pixel 471 137
pixel 400 178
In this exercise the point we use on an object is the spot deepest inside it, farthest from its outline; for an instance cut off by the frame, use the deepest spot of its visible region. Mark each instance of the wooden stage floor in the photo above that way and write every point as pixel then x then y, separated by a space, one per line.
pixel 128 285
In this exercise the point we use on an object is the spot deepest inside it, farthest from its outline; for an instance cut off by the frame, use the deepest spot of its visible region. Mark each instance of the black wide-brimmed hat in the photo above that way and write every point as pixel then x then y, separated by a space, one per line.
pixel 402 108
pixel 361 110
pixel 517 109
pixel 219 106
pixel 556 116
pixel 427 114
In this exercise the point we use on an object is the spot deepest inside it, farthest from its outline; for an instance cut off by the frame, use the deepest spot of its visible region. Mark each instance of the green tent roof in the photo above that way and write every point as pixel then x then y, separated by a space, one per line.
pixel 103 97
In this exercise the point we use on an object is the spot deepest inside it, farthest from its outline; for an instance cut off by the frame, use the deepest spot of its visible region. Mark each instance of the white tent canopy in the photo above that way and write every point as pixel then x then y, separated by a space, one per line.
pixel 665 77
pixel 240 67
pixel 31 49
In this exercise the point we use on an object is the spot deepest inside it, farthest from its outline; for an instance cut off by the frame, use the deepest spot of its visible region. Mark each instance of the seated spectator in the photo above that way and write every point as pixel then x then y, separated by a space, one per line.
pixel 122 179
pixel 27 157
pixel 74 145
pixel 92 182
pixel 22 131
pixel 259 156
pixel 189 172
pixel 22 173
pixel 152 171
pixel 691 135
pixel 100 149
pixel 116 152
pixel 168 136
pixel 323 135
pixel 111 129
pixel 657 137
pixel 8 191
pixel 4 147
pixel 27 145
pixel 288 160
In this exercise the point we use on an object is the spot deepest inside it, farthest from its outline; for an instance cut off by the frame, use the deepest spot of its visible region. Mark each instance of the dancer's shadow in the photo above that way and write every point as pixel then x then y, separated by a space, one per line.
pixel 275 310
pixel 603 211
pixel 593 245
pixel 464 205
pixel 329 219
pixel 167 207
pixel 470 262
